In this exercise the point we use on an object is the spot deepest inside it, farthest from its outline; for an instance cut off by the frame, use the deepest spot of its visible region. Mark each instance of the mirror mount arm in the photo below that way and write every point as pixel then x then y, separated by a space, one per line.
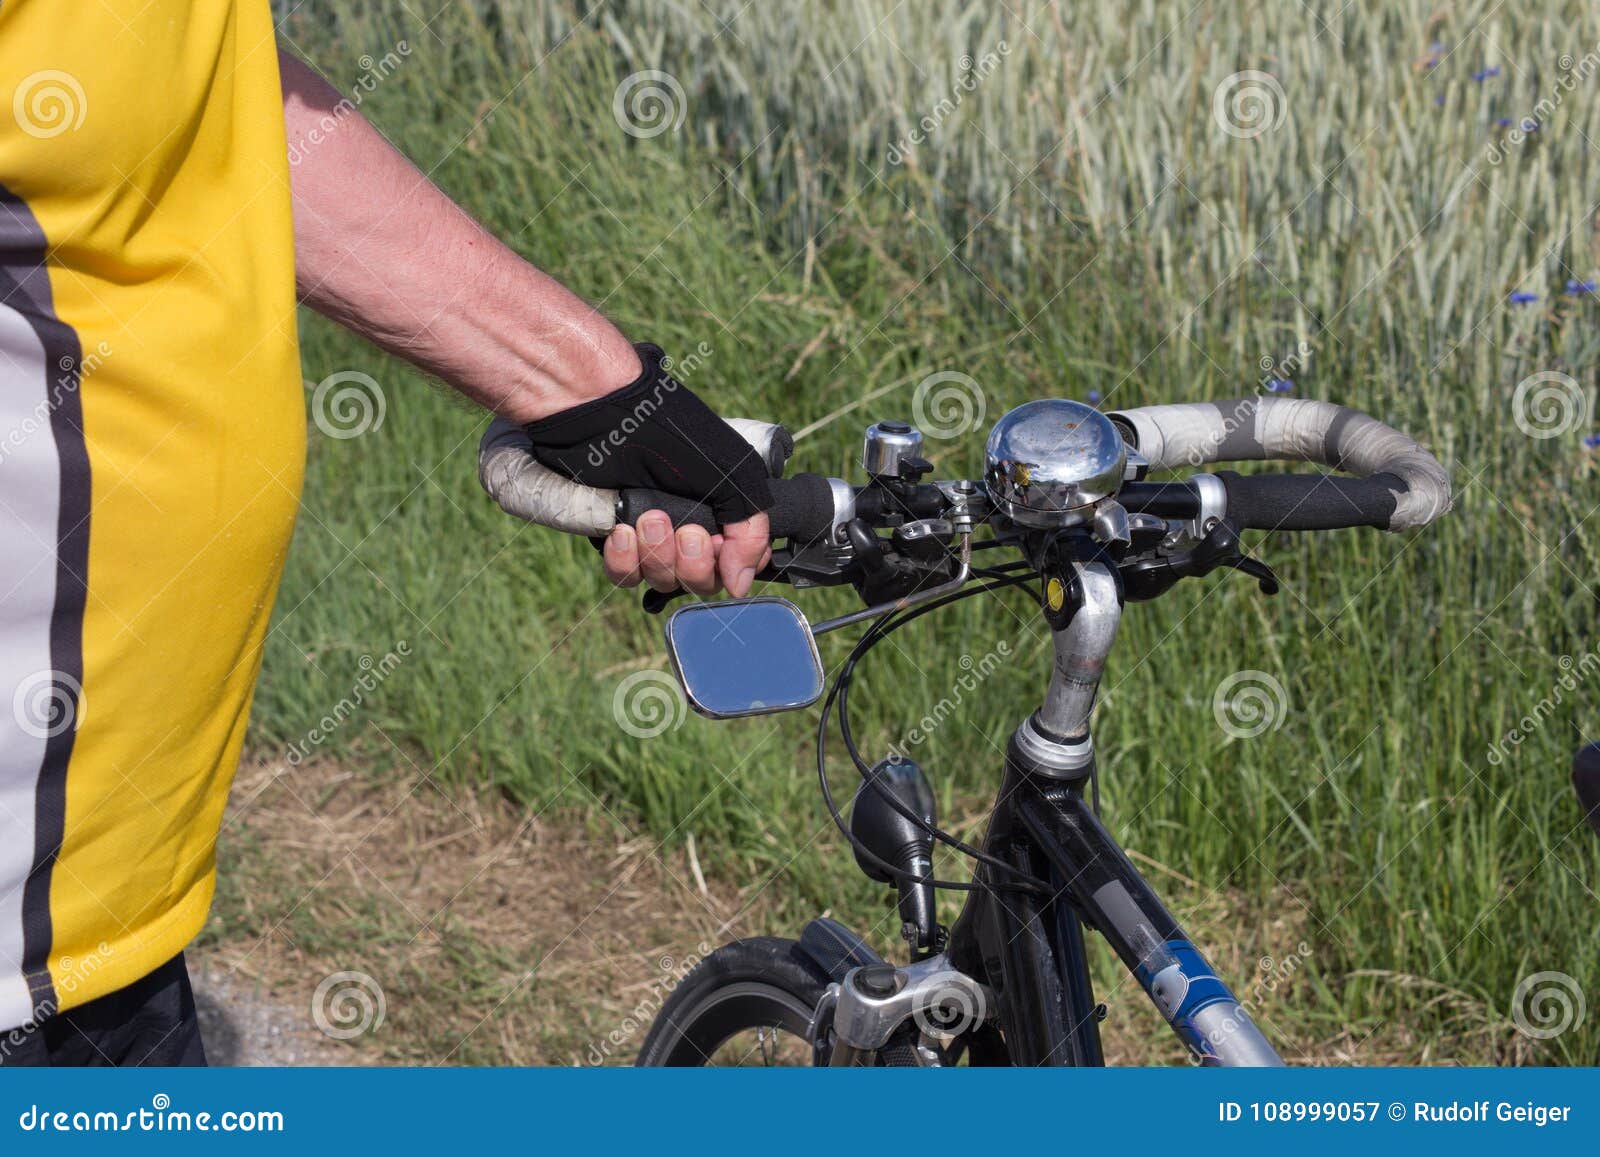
pixel 905 603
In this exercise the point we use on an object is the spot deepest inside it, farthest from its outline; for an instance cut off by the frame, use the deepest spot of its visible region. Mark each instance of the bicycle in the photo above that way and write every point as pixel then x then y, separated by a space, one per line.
pixel 1065 487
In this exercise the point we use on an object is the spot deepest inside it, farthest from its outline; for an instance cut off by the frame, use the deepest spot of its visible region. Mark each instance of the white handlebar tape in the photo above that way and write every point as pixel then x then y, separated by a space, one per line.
pixel 1293 430
pixel 526 489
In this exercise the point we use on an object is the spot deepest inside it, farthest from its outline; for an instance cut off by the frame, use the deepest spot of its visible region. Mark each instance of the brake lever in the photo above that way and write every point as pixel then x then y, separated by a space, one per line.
pixel 1221 547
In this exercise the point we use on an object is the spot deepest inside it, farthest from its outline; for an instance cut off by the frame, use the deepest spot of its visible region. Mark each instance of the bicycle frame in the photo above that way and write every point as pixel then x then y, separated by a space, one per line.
pixel 1030 951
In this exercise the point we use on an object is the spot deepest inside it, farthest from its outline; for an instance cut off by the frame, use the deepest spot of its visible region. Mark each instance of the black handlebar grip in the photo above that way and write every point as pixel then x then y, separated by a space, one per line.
pixel 1309 501
pixel 802 507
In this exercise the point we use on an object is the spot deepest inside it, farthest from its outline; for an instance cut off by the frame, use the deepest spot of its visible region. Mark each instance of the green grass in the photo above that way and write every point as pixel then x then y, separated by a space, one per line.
pixel 1429 879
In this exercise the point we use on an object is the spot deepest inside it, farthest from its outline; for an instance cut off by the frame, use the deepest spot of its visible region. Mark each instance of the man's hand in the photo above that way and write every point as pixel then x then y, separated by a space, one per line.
pixel 689 557
pixel 381 250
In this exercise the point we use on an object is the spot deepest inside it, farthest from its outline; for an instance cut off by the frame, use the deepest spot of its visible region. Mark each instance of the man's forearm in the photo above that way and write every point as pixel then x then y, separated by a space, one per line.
pixel 380 249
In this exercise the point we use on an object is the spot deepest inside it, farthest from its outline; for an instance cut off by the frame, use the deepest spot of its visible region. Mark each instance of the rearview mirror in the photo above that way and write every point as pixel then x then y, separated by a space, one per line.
pixel 744 657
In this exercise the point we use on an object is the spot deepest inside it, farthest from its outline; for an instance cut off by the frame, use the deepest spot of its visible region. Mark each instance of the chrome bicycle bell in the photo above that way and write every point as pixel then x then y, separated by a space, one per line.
pixel 1048 463
pixel 887 445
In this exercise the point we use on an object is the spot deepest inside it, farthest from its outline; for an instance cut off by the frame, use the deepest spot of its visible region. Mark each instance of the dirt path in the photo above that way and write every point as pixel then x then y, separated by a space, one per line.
pixel 359 922
pixel 363 922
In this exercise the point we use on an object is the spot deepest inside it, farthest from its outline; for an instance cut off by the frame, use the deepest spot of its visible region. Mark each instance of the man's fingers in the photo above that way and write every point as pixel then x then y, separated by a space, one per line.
pixel 657 551
pixel 697 560
pixel 621 557
pixel 746 548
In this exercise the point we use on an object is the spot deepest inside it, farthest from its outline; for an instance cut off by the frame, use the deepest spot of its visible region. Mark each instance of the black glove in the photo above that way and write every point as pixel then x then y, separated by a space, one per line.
pixel 655 433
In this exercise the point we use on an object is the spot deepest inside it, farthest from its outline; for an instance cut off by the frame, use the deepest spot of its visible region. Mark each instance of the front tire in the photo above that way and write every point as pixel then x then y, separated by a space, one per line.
pixel 748 1003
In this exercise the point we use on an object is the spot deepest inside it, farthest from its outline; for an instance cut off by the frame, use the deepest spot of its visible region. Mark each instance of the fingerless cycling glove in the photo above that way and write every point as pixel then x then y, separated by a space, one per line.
pixel 655 433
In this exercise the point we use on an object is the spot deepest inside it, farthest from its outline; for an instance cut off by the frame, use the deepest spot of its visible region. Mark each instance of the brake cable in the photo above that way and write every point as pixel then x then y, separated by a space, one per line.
pixel 840 691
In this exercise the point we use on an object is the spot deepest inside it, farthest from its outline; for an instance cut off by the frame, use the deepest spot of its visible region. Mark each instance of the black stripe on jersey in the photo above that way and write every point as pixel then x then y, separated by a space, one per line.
pixel 25 287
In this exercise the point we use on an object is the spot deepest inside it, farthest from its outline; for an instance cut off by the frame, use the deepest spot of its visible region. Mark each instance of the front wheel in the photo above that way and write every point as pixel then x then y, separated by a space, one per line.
pixel 748 1003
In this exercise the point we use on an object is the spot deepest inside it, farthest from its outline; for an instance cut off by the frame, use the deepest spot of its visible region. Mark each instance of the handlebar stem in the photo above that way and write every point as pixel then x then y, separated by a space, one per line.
pixel 1081 647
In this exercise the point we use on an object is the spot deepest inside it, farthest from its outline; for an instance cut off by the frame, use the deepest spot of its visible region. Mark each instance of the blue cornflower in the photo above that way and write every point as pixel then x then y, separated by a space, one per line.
pixel 1279 385
pixel 1504 122
pixel 1094 397
pixel 1576 288
pixel 1484 74
pixel 1522 297
pixel 1592 442
pixel 1529 125
pixel 1439 100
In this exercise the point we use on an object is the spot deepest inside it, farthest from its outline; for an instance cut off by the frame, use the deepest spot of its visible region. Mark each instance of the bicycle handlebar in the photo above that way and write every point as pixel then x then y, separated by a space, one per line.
pixel 1400 486
pixel 1299 430
pixel 802 507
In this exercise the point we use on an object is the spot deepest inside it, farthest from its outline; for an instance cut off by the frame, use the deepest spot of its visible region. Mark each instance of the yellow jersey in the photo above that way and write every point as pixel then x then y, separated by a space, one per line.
pixel 152 444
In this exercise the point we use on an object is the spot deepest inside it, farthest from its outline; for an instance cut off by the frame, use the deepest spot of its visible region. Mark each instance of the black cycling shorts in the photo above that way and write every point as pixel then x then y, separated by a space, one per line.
pixel 150 1022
